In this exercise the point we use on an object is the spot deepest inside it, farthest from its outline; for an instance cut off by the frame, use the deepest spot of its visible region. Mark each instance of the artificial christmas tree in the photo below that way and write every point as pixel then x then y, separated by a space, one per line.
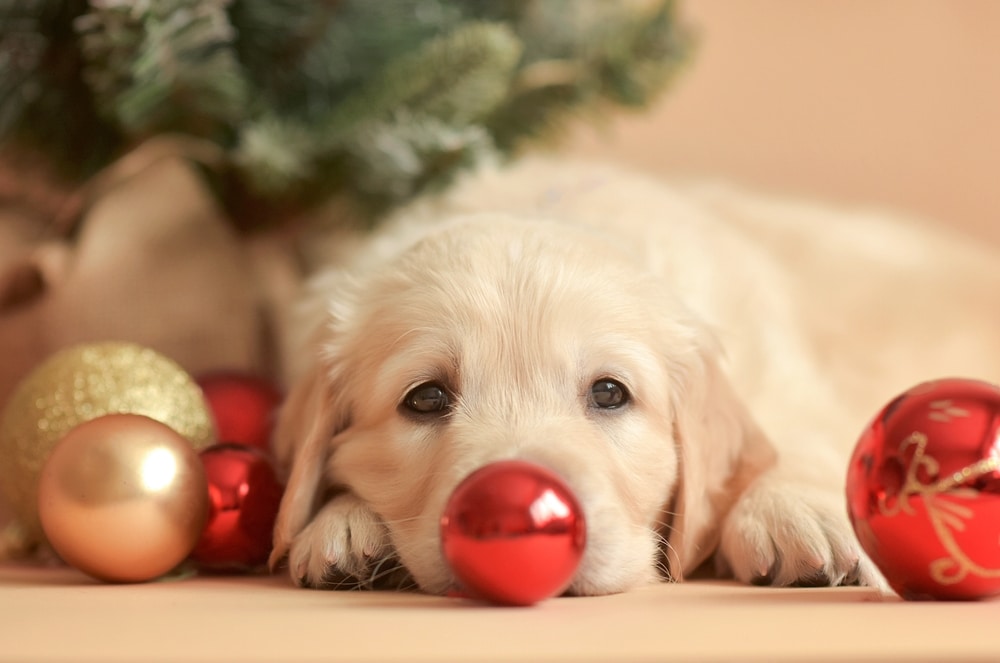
pixel 297 101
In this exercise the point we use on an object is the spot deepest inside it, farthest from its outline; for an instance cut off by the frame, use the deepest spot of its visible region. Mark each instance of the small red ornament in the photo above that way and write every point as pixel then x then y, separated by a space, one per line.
pixel 923 490
pixel 513 533
pixel 243 407
pixel 243 494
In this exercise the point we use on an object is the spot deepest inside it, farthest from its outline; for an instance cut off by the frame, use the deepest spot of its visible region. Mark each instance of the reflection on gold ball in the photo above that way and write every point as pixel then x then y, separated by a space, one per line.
pixel 82 383
pixel 123 498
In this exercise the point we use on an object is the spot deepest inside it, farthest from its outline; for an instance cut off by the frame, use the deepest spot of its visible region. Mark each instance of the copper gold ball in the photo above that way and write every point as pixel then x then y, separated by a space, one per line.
pixel 123 498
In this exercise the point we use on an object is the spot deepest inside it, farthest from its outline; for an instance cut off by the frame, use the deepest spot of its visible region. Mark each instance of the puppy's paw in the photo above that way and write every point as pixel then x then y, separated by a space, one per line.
pixel 341 546
pixel 786 534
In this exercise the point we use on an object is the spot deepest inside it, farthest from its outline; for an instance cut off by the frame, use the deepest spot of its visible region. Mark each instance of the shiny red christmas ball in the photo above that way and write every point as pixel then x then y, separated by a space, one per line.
pixel 923 490
pixel 243 407
pixel 243 494
pixel 513 533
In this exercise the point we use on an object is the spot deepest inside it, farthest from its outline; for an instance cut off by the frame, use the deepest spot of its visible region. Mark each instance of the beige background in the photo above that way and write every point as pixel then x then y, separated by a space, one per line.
pixel 892 103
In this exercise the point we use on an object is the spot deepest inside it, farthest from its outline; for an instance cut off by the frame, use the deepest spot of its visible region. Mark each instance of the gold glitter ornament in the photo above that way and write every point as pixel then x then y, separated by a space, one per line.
pixel 81 383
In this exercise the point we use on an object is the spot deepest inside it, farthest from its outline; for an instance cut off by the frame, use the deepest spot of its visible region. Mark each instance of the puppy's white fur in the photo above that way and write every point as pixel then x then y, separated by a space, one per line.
pixel 755 337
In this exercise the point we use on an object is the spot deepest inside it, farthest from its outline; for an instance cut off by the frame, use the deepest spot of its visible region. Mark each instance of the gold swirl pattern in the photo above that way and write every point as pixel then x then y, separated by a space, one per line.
pixel 946 516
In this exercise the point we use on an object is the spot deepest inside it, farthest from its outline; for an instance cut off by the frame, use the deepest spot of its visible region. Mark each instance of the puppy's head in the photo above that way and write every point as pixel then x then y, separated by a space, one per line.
pixel 496 338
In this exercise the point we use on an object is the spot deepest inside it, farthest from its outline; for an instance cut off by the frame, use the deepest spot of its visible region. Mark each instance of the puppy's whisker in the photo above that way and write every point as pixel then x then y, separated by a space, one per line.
pixel 392 569
pixel 664 548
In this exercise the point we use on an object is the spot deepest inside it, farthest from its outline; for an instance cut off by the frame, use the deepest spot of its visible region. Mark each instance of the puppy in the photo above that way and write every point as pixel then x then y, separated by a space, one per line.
pixel 695 362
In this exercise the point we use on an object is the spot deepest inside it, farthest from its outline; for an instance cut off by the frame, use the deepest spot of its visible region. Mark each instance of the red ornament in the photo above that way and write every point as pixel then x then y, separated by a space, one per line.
pixel 243 407
pixel 923 490
pixel 243 494
pixel 513 533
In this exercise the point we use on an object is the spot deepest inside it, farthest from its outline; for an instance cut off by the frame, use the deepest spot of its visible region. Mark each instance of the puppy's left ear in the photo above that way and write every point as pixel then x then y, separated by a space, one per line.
pixel 309 418
pixel 721 449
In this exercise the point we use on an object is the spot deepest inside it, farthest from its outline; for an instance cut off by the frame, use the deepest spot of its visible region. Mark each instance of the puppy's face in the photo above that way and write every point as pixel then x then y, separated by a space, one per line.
pixel 499 339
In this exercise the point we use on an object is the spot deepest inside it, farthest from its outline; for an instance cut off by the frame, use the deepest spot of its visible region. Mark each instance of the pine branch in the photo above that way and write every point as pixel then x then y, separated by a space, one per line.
pixel 449 82
pixel 45 105
pixel 639 54
pixel 458 78
pixel 164 65
pixel 395 159
pixel 22 50
pixel 275 37
pixel 110 39
pixel 276 156
pixel 610 54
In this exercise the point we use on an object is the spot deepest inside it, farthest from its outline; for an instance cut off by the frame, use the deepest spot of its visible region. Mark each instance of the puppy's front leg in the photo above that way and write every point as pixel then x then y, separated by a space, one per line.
pixel 785 532
pixel 342 542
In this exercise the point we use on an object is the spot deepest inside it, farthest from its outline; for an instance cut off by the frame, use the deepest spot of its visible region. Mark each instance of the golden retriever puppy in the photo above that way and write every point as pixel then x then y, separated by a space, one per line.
pixel 696 363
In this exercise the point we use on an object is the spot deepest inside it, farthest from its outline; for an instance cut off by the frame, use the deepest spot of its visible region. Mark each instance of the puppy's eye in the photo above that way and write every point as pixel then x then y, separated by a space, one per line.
pixel 427 398
pixel 608 394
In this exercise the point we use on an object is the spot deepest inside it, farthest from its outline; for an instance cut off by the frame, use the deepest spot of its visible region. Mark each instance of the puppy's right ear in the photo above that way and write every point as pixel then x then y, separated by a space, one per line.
pixel 308 420
pixel 722 451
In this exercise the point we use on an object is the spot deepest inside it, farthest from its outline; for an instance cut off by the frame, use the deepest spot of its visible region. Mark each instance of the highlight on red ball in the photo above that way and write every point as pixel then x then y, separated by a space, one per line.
pixel 513 533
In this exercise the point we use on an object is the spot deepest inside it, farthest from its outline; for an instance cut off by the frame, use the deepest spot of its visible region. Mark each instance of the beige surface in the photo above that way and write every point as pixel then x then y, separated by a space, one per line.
pixel 56 615
pixel 887 102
